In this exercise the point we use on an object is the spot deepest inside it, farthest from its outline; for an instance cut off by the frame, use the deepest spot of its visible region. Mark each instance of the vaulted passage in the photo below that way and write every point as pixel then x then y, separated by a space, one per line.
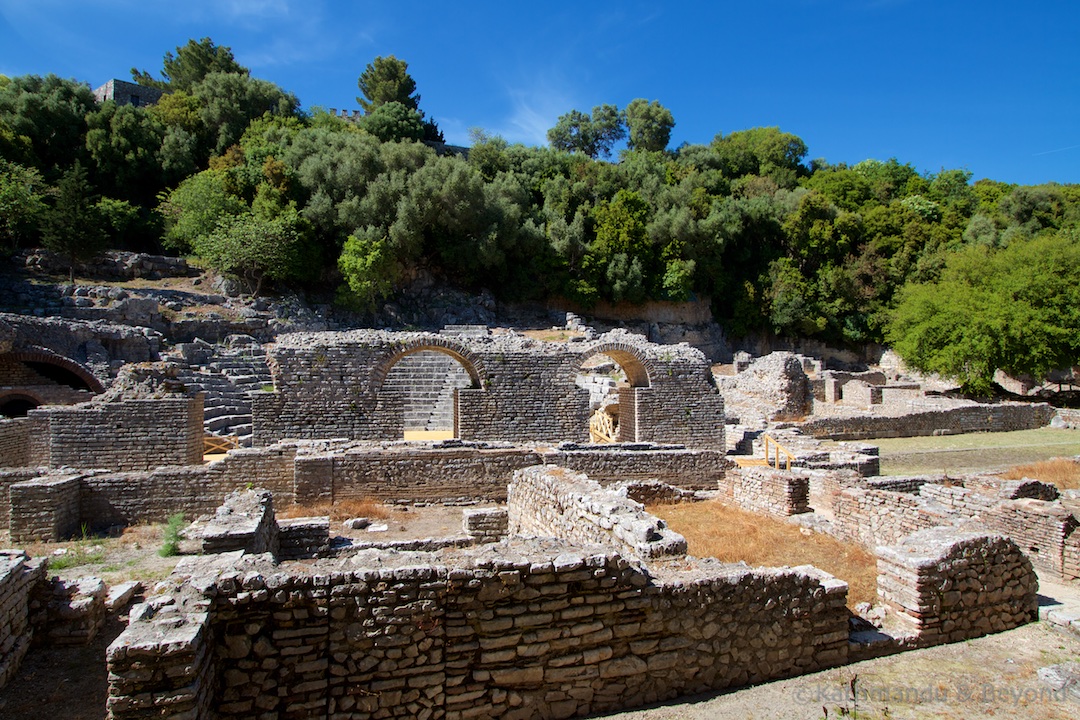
pixel 428 381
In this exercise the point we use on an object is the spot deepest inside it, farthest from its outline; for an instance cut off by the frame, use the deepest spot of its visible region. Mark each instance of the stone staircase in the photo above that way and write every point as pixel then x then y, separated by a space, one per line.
pixel 225 374
pixel 427 380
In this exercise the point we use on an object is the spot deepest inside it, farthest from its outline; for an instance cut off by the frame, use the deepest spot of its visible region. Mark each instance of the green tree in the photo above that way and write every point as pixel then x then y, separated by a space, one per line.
pixel 649 125
pixel 51 114
pixel 394 122
pixel 190 66
pixel 73 226
pixel 22 202
pixel 369 269
pixel 764 151
pixel 1015 309
pixel 124 142
pixel 387 80
pixel 593 135
pixel 228 102
pixel 257 246
pixel 196 207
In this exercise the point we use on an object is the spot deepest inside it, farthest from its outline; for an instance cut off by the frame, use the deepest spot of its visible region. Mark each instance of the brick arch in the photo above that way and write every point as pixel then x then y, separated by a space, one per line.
pixel 638 368
pixel 7 396
pixel 472 364
pixel 50 358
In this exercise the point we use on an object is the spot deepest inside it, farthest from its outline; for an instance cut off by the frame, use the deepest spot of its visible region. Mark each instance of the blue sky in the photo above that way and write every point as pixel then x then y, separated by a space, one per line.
pixel 986 85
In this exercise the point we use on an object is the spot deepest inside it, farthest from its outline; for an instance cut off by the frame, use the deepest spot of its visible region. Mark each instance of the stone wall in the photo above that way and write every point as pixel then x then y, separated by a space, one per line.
pixel 120 499
pixel 949 585
pixel 14 443
pixel 127 435
pixel 524 629
pixel 1046 531
pixel 404 473
pixel 331 385
pixel 550 501
pixel 9 477
pixel 464 472
pixel 972 418
pixel 768 491
pixel 18 577
pixel 684 468
pixel 44 509
pixel 880 517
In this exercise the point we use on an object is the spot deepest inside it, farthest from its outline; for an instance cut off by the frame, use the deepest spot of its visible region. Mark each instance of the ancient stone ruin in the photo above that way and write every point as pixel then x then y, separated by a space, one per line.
pixel 561 596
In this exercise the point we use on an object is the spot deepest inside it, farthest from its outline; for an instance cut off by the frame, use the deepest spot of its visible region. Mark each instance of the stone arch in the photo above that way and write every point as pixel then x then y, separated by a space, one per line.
pixel 621 421
pixel 422 378
pixel 15 403
pixel 638 368
pixel 469 360
pixel 71 373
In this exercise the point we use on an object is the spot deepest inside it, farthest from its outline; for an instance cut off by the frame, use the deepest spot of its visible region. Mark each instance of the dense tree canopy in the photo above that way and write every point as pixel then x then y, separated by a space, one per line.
pixel 190 66
pixel 227 167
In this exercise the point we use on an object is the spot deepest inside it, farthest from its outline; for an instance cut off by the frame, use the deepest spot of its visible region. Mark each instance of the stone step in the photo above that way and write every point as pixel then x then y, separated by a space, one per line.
pixel 227 421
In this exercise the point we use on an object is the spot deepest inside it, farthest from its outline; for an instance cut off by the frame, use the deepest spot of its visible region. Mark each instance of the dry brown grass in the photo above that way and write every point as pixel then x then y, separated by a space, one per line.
pixel 338 511
pixel 715 530
pixel 1063 472
pixel 552 335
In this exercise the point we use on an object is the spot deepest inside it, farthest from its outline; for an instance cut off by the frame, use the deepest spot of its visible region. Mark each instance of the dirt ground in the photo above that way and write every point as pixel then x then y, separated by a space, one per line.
pixel 993 676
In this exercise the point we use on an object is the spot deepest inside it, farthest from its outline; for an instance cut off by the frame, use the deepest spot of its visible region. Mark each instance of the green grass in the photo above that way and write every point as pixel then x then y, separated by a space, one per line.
pixel 974 452
pixel 79 554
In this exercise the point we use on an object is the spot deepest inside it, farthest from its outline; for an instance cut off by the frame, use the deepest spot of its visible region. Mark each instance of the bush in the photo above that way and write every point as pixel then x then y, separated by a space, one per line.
pixel 170 545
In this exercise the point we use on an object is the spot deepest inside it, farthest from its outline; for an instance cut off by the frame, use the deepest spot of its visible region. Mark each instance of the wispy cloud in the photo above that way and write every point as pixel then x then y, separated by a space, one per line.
pixel 1058 150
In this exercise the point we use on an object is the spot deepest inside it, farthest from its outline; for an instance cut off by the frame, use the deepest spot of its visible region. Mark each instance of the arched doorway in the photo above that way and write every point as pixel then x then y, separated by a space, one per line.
pixel 16 405
pixel 427 378
pixel 611 376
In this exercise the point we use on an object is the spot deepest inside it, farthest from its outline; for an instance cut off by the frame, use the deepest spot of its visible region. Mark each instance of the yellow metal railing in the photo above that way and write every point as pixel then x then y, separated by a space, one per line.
pixel 774 461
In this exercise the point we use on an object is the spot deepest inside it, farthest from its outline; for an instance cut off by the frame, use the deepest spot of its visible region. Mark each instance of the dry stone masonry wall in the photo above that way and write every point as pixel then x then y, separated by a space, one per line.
pixel 951 586
pixel 550 501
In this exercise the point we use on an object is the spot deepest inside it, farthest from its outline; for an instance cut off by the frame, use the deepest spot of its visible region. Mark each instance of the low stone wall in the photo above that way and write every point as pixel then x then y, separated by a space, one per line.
pixel 973 418
pixel 405 473
pixel 677 466
pixel 74 611
pixel 14 443
pixel 485 524
pixel 9 477
pixel 127 435
pixel 303 537
pixel 550 501
pixel 524 629
pixel 1044 530
pixel 18 577
pixel 45 509
pixel 779 493
pixel 467 472
pixel 120 499
pixel 880 517
pixel 949 585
